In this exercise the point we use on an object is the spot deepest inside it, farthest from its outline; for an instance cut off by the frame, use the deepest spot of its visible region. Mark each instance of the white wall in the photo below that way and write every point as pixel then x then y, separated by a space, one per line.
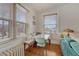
pixel 39 23
pixel 69 17
pixel 30 27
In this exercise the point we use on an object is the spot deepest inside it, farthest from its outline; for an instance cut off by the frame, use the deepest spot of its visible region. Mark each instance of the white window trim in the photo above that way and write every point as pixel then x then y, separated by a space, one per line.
pixel 21 7
pixel 44 20
pixel 5 40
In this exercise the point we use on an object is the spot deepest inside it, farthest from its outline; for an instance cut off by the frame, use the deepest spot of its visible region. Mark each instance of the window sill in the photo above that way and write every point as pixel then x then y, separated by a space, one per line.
pixel 21 35
pixel 4 40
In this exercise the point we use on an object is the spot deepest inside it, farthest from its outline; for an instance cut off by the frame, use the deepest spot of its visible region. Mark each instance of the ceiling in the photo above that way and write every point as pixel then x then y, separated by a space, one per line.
pixel 43 7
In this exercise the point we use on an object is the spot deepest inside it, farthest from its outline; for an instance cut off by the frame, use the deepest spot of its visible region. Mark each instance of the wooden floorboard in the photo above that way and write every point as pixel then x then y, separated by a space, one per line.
pixel 48 50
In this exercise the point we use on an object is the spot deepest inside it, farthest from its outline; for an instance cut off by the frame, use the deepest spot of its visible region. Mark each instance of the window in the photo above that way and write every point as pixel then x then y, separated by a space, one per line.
pixel 4 20
pixel 1 25
pixel 20 27
pixel 4 28
pixel 6 24
pixel 49 25
pixel 20 20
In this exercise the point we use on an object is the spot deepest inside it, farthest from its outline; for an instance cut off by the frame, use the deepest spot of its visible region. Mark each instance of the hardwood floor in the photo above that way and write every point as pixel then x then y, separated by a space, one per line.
pixel 48 50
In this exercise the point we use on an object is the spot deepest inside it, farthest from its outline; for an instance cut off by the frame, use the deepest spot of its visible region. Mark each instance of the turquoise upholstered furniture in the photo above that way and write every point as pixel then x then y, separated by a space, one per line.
pixel 40 42
pixel 75 46
pixel 69 47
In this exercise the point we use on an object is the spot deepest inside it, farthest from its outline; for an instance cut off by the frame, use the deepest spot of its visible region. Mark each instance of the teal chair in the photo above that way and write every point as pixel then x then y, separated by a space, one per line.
pixel 41 42
pixel 66 47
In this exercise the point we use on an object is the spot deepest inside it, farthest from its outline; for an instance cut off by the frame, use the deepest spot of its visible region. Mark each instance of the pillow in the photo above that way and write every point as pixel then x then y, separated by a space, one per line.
pixel 63 34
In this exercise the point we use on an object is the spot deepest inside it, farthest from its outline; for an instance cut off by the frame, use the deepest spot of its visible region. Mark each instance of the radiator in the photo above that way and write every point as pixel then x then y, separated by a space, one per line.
pixel 14 51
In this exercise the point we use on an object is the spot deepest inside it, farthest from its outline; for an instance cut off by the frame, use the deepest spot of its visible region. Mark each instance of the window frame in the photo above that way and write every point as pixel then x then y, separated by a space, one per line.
pixel 24 23
pixel 11 23
pixel 24 26
pixel 49 24
pixel 3 27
